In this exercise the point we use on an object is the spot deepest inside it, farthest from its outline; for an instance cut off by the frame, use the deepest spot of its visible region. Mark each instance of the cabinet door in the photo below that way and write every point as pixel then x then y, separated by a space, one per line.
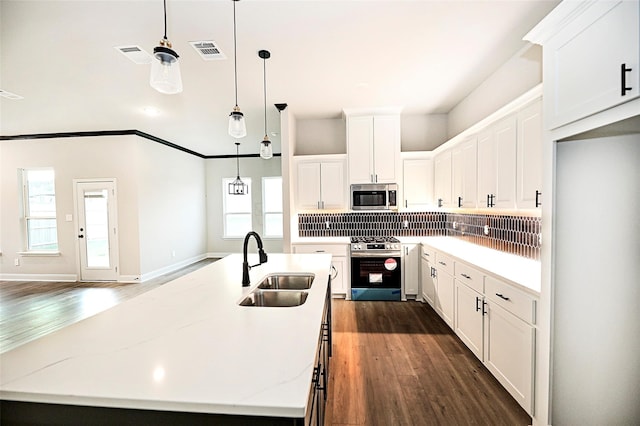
pixel 332 186
pixel 360 149
pixel 427 282
pixel 464 173
pixel 505 136
pixel 339 278
pixel 386 149
pixel 417 183
pixel 529 152
pixel 445 296
pixel 509 353
pixel 586 58
pixel 308 186
pixel 486 168
pixel 469 317
pixel 411 269
pixel 442 184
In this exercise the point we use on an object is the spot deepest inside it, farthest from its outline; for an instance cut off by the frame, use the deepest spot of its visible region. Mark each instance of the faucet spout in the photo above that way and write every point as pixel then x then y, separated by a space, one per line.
pixel 245 264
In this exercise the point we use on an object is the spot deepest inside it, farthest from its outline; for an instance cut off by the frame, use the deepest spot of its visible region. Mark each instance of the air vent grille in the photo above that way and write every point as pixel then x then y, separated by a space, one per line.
pixel 135 53
pixel 9 95
pixel 208 50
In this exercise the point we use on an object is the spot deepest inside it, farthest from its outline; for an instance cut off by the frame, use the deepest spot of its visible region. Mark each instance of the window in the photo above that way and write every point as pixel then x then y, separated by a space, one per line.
pixel 39 198
pixel 236 210
pixel 272 206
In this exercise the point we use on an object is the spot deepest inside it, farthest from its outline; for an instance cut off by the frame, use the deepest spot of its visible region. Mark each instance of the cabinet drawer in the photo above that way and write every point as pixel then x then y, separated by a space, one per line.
pixel 470 276
pixel 334 249
pixel 513 300
pixel 444 263
pixel 428 253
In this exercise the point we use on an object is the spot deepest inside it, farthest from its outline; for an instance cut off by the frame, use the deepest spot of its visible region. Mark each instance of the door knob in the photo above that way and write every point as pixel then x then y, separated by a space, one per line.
pixel 80 236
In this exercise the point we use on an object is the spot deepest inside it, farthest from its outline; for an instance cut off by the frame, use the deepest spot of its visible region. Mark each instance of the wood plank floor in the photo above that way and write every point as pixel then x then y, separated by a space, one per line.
pixel 394 363
pixel 398 363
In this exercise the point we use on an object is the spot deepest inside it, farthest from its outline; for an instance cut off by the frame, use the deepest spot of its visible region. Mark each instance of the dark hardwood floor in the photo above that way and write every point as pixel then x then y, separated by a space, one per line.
pixel 398 363
pixel 394 363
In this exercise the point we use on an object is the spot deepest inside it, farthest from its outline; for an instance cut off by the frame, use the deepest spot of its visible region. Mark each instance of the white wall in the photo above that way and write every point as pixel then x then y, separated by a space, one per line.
pixel 71 158
pixel 516 76
pixel 256 169
pixel 423 132
pixel 321 136
pixel 171 205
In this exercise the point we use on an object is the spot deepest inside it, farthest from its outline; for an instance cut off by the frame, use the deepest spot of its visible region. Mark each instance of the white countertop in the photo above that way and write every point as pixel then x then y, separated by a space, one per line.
pixel 185 346
pixel 321 240
pixel 524 273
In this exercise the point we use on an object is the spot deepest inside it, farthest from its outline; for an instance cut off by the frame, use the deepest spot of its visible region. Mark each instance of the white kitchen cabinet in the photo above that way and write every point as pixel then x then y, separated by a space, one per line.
pixel 464 159
pixel 427 275
pixel 591 56
pixel 373 147
pixel 417 183
pixel 442 177
pixel 469 321
pixel 529 157
pixel 411 270
pixel 340 277
pixel 445 288
pixel 320 184
pixel 497 164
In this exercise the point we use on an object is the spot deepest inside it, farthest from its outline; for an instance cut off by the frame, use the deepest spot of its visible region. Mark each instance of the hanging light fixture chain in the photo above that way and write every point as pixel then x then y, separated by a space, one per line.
pixel 165 19
pixel 264 73
pixel 235 55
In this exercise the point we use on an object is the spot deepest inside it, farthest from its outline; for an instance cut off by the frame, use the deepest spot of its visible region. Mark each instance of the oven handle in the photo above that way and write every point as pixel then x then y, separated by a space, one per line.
pixel 381 253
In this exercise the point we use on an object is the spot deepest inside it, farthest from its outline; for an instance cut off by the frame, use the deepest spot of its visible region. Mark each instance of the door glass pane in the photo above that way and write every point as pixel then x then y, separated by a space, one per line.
pixel 97 228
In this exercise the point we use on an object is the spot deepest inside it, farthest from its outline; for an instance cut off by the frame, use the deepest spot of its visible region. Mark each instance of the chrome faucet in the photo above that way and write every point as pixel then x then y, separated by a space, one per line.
pixel 245 264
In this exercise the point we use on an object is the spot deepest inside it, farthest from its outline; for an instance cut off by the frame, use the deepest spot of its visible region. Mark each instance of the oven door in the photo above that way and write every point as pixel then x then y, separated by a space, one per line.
pixel 377 271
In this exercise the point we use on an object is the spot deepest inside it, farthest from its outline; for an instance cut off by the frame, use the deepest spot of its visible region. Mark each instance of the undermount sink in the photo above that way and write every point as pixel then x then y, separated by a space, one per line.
pixel 287 281
pixel 275 298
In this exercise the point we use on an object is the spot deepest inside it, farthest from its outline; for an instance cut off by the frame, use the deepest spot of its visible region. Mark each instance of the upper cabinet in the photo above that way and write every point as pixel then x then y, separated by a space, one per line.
pixel 529 157
pixel 320 183
pixel 442 176
pixel 417 183
pixel 497 165
pixel 373 148
pixel 464 162
pixel 591 56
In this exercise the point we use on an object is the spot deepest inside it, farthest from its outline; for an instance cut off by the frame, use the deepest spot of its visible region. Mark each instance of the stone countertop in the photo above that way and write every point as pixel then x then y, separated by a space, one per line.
pixel 184 346
pixel 520 271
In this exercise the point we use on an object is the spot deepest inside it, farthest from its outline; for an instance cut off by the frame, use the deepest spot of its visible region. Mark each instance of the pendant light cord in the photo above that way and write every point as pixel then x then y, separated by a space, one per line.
pixel 238 159
pixel 235 55
pixel 264 73
pixel 165 19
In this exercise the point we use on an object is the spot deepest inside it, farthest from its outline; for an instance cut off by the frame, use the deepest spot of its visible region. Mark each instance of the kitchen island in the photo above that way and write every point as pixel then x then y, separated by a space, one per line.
pixel 185 352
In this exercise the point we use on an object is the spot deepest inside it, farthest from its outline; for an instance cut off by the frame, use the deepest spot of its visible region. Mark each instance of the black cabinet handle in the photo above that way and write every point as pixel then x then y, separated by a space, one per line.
pixel 538 202
pixel 439 202
pixel 623 79
pixel 477 302
pixel 433 272
pixel 442 263
pixel 483 310
pixel 459 201
pixel 466 276
pixel 501 296
pixel 488 200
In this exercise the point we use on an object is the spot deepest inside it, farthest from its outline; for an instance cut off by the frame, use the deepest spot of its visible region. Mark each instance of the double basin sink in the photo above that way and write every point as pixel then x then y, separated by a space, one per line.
pixel 280 290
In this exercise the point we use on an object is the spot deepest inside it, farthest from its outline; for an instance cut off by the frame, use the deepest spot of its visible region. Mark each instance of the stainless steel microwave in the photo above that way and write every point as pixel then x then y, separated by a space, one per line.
pixel 374 196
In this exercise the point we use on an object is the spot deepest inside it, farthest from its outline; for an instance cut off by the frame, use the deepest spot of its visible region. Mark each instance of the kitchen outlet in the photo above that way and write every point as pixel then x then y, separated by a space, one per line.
pixel 16 261
pixel 406 223
pixel 327 224
pixel 486 230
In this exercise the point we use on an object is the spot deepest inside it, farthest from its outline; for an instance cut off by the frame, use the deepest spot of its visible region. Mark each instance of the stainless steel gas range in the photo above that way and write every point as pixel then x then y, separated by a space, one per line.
pixel 376 272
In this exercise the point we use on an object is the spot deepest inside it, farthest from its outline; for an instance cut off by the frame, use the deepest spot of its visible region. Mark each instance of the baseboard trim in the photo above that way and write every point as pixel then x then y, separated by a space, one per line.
pixel 170 268
pixel 39 277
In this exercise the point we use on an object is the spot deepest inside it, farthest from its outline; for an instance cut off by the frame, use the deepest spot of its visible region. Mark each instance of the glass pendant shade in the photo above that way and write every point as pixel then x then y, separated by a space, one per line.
pixel 237 125
pixel 165 71
pixel 266 149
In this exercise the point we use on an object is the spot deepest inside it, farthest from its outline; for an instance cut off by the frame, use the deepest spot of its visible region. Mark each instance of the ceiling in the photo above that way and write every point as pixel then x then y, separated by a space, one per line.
pixel 422 56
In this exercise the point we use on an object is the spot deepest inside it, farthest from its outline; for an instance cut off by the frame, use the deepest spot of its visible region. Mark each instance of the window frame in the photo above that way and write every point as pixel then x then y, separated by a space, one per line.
pixel 225 193
pixel 27 213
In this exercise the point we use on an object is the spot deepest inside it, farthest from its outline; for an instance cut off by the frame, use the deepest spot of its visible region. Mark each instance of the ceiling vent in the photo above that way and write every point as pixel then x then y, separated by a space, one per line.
pixel 9 95
pixel 135 54
pixel 208 50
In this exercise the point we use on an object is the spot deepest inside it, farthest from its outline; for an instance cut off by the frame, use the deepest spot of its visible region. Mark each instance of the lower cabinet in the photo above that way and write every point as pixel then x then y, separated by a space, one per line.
pixel 320 381
pixel 493 318
pixel 427 276
pixel 410 271
pixel 340 277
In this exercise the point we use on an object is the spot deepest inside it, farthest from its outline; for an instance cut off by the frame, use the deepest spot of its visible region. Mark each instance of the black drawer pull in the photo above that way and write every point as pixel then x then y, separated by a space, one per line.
pixel 442 263
pixel 466 276
pixel 501 296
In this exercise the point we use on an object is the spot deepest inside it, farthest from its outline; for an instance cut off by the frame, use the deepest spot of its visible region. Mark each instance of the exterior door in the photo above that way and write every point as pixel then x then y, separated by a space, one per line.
pixel 96 215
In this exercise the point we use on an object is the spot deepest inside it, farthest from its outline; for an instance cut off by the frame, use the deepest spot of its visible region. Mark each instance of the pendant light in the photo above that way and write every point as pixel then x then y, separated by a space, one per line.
pixel 237 126
pixel 266 150
pixel 165 69
pixel 238 187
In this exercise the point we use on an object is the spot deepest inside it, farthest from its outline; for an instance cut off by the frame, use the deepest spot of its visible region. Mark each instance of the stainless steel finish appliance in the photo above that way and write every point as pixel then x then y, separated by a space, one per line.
pixel 374 196
pixel 376 272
